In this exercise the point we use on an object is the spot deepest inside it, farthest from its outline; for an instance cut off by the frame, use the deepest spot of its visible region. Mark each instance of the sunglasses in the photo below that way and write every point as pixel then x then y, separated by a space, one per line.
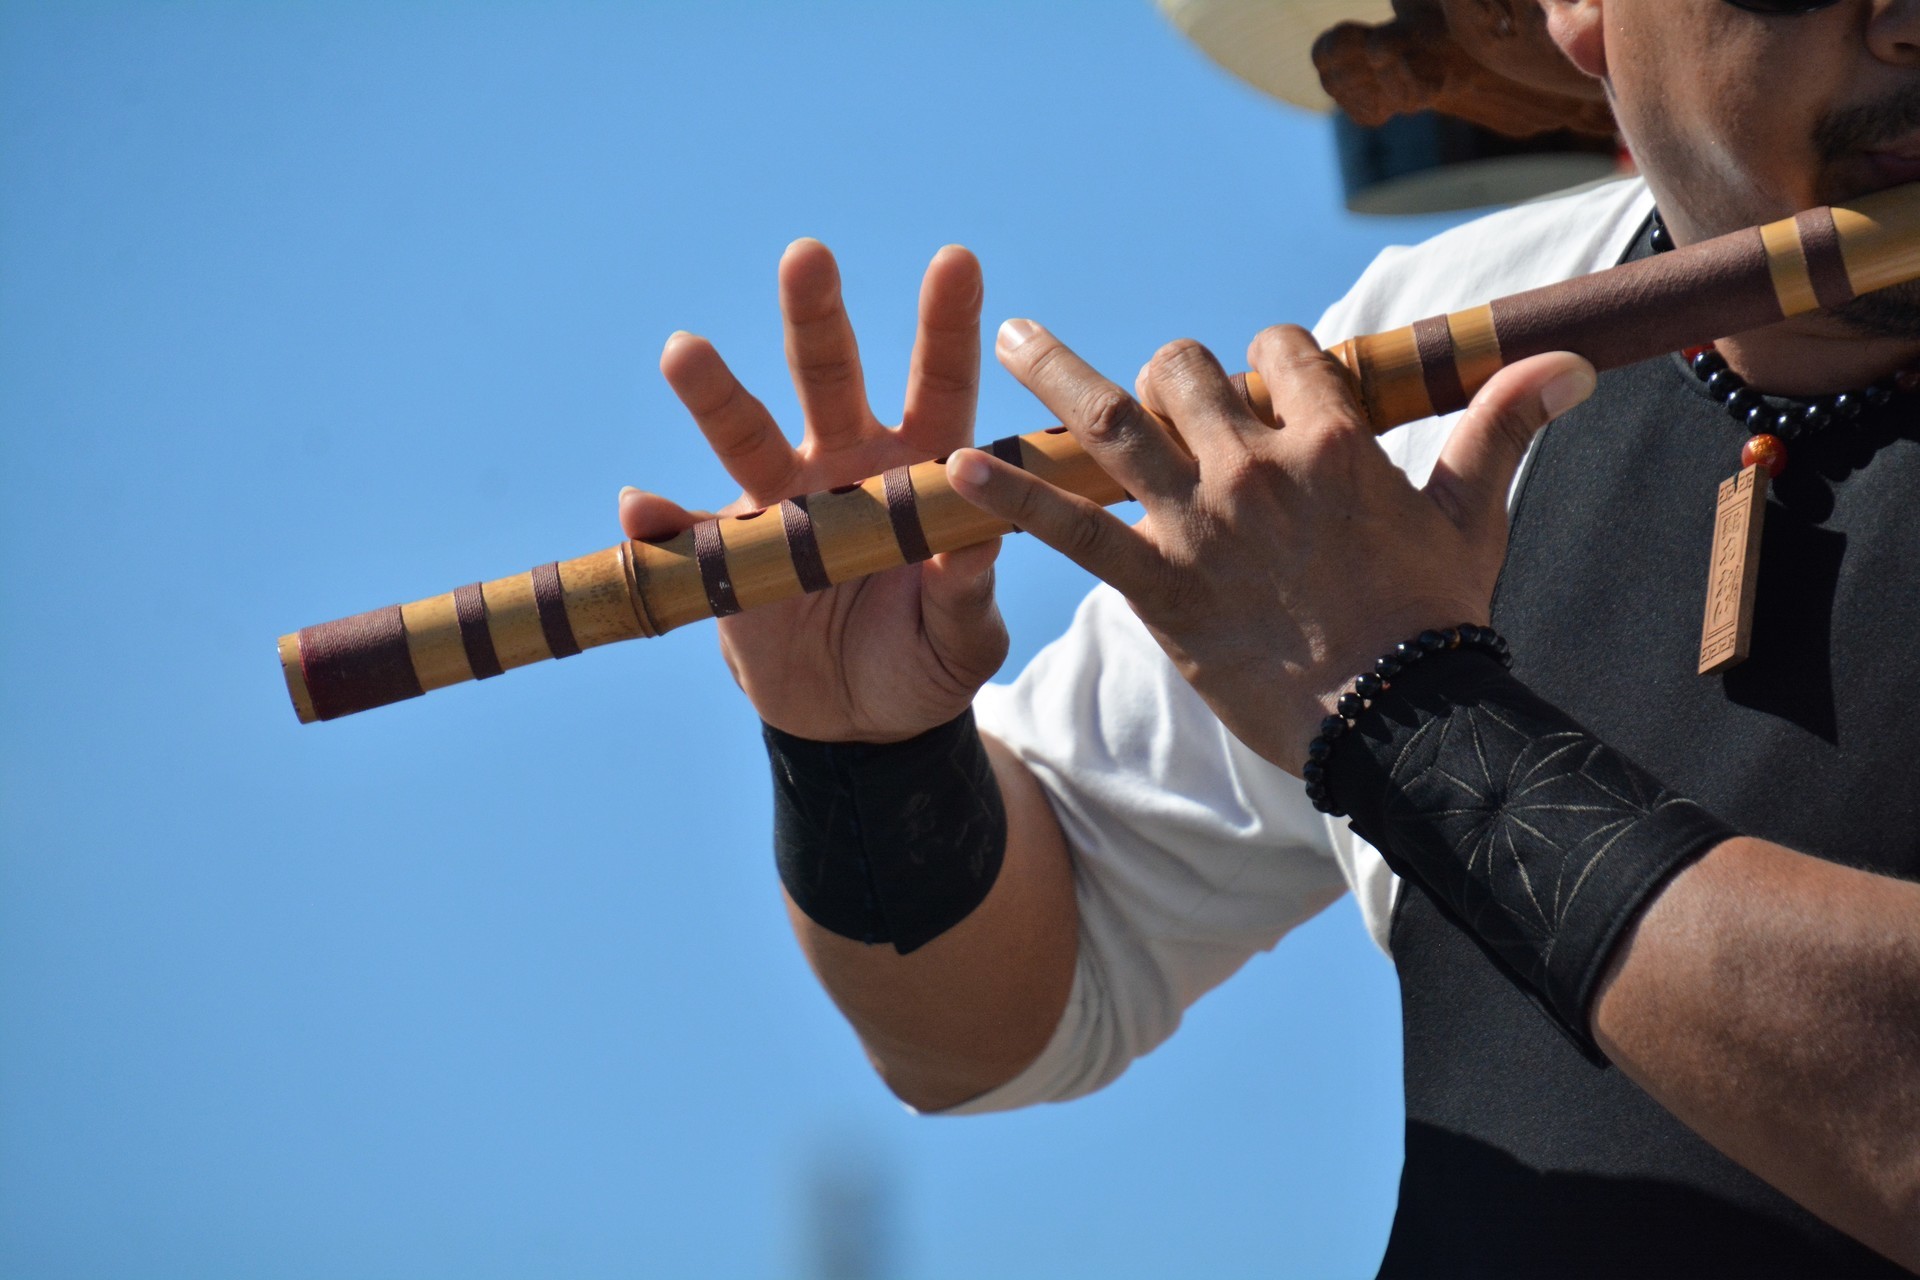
pixel 1782 8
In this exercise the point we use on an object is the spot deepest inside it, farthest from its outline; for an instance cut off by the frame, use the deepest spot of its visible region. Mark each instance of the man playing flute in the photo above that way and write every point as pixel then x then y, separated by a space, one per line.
pixel 1658 932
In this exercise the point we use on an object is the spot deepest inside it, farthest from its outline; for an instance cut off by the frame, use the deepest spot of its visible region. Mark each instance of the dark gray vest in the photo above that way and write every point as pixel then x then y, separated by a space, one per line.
pixel 1522 1158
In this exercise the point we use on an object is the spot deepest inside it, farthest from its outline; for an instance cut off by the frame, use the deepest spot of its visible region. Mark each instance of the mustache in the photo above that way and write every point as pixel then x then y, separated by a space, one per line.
pixel 1850 130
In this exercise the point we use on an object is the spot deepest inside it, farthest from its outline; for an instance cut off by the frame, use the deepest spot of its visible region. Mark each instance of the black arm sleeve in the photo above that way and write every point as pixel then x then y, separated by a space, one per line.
pixel 887 842
pixel 1540 839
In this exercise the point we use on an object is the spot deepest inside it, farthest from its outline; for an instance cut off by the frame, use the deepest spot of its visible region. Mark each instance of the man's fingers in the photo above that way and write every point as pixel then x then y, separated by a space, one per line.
pixel 748 442
pixel 650 517
pixel 1310 389
pixel 821 350
pixel 943 383
pixel 1083 531
pixel 1477 465
pixel 1185 385
pixel 1110 425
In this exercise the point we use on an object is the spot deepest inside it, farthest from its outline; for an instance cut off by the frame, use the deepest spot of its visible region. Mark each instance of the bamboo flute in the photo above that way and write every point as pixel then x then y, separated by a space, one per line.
pixel 1819 260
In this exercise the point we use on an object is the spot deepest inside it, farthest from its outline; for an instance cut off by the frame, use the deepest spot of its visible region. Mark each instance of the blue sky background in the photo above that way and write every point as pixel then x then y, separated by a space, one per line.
pixel 310 308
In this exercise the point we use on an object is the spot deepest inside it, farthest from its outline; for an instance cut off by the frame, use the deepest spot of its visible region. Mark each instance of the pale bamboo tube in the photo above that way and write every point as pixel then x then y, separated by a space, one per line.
pixel 1820 259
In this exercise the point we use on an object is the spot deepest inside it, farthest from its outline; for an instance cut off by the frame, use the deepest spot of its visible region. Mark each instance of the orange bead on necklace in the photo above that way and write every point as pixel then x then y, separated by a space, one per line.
pixel 1765 450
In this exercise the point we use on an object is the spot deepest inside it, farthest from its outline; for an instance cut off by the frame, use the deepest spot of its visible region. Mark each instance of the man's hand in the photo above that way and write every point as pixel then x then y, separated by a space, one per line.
pixel 888 656
pixel 1273 566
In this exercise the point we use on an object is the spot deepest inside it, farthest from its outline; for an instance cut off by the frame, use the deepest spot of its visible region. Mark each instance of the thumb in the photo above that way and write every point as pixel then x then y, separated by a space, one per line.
pixel 650 517
pixel 957 609
pixel 1478 462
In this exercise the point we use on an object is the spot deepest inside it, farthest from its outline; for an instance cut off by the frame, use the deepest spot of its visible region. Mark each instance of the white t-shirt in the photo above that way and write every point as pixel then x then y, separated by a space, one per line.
pixel 1191 853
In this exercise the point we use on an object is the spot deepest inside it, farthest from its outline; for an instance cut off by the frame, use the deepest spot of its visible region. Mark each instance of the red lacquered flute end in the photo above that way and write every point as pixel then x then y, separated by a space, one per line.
pixel 388 655
pixel 348 665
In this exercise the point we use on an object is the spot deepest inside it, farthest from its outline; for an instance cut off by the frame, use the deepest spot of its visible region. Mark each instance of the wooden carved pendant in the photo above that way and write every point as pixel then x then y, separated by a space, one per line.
pixel 1726 634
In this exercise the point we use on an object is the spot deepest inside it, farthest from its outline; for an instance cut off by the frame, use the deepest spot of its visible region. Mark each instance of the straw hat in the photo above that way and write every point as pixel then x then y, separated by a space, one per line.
pixel 1445 104
pixel 1269 43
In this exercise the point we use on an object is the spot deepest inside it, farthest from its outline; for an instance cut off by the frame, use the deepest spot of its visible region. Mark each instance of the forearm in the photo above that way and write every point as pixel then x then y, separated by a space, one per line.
pixel 968 1010
pixel 1771 1001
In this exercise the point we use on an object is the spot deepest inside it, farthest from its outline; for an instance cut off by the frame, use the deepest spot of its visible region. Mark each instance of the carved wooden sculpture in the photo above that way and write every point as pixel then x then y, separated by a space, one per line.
pixel 1487 61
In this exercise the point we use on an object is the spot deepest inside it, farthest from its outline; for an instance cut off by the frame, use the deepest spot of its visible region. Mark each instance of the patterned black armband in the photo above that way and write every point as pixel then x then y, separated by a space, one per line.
pixel 887 842
pixel 1535 836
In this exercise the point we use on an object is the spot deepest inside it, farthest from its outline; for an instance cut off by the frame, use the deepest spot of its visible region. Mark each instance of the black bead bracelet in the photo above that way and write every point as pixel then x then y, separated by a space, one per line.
pixel 1371 684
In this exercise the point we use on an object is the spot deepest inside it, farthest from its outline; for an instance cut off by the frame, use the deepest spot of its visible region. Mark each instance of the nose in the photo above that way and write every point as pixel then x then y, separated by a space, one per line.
pixel 1893 32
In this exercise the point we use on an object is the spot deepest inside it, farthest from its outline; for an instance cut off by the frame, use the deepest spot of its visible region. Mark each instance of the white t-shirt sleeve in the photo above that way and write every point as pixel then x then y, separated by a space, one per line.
pixel 1191 853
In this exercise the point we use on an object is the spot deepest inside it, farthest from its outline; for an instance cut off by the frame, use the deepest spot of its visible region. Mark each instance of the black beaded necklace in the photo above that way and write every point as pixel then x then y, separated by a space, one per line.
pixel 1733 572
pixel 1777 421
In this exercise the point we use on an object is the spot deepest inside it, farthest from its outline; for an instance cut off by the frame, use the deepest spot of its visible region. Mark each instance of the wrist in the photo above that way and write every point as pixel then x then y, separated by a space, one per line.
pixel 790 707
pixel 892 842
pixel 1396 664
pixel 1359 651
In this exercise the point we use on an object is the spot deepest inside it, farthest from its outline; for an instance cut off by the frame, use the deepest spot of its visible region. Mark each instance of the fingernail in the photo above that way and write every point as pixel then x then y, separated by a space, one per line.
pixel 1567 390
pixel 969 468
pixel 1014 333
pixel 625 490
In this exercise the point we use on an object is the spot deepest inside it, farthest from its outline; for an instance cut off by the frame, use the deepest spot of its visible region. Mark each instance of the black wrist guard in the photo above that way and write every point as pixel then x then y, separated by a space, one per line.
pixel 887 842
pixel 1536 837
